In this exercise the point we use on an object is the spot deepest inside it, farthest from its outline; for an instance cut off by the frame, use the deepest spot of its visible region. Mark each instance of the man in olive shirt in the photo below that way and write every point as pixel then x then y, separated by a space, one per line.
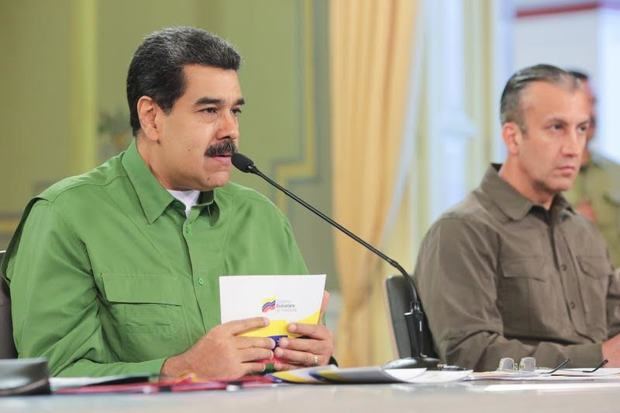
pixel 513 270
pixel 116 271
pixel 596 191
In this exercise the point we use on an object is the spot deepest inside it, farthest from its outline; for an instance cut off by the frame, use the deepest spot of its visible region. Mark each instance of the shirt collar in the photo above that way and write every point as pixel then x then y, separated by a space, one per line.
pixel 153 197
pixel 206 199
pixel 508 200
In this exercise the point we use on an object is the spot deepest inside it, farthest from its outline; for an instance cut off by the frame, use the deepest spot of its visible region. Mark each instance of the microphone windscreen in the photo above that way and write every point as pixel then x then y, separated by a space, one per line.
pixel 242 162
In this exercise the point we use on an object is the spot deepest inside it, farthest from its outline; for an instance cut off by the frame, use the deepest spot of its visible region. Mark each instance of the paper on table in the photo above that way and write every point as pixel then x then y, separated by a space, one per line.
pixel 380 375
pixel 434 376
pixel 602 372
pixel 57 383
pixel 368 375
pixel 132 384
pixel 542 375
pixel 302 376
pixel 502 375
pixel 333 374
pixel 281 298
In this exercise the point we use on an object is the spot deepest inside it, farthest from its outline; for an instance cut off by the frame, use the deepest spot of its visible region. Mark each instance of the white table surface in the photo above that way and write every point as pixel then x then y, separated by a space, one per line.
pixel 455 397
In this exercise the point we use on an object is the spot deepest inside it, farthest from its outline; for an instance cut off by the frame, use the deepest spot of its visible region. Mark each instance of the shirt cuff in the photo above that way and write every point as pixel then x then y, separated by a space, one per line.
pixel 585 355
pixel 150 367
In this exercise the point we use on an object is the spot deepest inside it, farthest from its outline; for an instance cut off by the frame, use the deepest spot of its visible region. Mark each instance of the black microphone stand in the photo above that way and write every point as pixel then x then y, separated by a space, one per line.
pixel 414 318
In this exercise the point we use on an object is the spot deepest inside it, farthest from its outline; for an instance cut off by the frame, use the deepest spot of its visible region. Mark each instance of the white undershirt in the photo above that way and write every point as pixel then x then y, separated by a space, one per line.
pixel 188 198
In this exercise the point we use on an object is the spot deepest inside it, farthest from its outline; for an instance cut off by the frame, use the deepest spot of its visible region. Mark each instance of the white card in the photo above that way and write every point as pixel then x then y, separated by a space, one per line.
pixel 281 298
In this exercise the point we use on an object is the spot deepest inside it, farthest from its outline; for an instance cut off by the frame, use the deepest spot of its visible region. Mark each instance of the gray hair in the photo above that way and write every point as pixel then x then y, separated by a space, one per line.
pixel 510 103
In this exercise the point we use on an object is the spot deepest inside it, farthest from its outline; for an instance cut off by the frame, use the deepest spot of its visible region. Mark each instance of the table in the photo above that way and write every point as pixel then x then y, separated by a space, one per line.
pixel 462 397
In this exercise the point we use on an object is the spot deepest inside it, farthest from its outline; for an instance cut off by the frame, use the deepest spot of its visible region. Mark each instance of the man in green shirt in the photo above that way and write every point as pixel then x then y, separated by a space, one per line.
pixel 513 270
pixel 116 271
pixel 596 191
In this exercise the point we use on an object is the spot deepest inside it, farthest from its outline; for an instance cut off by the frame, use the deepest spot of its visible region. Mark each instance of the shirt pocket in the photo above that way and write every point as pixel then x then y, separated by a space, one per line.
pixel 595 271
pixel 143 315
pixel 524 295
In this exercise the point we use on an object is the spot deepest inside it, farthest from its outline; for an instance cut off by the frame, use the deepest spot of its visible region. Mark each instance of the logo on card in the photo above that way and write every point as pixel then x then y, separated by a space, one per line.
pixel 278 305
pixel 269 304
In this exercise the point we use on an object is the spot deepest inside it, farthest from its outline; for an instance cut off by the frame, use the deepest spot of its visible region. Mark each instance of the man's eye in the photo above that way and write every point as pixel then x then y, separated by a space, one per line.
pixel 209 110
pixel 236 112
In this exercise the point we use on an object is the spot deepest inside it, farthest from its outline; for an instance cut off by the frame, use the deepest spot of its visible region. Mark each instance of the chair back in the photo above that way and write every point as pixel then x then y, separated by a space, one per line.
pixel 399 298
pixel 7 346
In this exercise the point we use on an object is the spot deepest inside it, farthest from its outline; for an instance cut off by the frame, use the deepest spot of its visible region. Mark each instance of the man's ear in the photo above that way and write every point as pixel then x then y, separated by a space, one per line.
pixel 149 113
pixel 512 136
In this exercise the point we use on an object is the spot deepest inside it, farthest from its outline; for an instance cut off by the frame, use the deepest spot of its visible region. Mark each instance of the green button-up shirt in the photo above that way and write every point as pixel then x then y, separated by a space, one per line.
pixel 502 277
pixel 108 275
pixel 598 183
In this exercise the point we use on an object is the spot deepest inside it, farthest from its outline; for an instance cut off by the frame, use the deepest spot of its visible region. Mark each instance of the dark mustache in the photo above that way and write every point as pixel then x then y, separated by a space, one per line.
pixel 226 147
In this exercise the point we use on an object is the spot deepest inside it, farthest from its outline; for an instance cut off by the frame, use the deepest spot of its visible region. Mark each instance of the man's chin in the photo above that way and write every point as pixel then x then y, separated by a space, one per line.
pixel 563 185
pixel 217 180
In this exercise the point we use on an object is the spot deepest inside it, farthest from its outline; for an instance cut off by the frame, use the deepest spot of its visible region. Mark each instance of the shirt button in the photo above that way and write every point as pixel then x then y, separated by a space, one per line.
pixel 572 305
pixel 563 267
pixel 201 281
pixel 188 231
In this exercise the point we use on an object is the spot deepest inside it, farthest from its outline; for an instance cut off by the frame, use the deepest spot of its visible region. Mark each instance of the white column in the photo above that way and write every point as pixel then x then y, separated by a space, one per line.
pixel 449 126
pixel 608 91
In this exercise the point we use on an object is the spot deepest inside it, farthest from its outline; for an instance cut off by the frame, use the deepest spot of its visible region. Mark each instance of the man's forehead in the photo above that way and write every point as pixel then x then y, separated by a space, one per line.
pixel 211 82
pixel 543 87
pixel 198 69
pixel 547 97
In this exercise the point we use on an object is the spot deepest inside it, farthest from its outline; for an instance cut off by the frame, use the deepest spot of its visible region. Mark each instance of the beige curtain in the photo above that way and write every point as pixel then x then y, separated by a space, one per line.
pixel 370 45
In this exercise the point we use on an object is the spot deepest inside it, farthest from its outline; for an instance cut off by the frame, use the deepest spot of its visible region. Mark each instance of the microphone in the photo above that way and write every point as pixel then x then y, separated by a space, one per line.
pixel 414 317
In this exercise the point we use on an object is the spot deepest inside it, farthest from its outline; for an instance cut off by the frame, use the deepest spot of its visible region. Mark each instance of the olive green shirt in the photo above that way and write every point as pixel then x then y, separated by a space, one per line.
pixel 108 275
pixel 598 183
pixel 502 277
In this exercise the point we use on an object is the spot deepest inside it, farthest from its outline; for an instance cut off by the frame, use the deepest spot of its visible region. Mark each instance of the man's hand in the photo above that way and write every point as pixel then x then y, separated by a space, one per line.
pixel 611 351
pixel 222 354
pixel 314 347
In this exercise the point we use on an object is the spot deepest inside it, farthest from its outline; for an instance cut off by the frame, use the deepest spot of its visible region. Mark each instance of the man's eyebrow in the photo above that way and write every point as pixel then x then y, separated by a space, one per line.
pixel 555 118
pixel 563 121
pixel 215 101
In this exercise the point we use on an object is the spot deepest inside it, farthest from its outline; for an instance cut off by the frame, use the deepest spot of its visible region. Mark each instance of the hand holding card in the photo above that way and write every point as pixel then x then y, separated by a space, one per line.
pixel 284 299
pixel 281 298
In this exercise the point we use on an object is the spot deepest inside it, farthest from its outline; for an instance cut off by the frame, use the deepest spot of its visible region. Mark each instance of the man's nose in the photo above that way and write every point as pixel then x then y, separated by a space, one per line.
pixel 229 126
pixel 575 143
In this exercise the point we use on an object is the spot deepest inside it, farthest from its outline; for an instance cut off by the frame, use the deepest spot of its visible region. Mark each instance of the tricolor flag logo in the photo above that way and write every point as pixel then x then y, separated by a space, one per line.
pixel 269 305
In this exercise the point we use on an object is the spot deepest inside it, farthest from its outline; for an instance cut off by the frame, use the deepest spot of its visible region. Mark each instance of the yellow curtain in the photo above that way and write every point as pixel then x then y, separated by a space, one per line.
pixel 370 45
